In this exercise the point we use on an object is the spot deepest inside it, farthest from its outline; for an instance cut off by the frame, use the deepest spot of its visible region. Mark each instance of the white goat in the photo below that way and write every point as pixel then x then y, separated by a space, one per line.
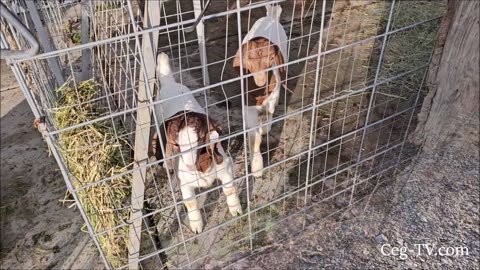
pixel 187 126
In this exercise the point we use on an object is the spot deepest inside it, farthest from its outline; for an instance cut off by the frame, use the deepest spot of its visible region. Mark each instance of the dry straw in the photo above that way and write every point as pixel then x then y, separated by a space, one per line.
pixel 92 152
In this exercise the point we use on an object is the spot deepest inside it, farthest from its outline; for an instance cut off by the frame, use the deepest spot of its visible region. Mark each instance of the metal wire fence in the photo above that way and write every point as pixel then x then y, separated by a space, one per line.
pixel 353 85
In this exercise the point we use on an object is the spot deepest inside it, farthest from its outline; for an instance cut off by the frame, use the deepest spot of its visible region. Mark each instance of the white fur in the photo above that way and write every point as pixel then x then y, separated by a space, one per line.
pixel 253 120
pixel 191 179
pixel 170 91
pixel 187 138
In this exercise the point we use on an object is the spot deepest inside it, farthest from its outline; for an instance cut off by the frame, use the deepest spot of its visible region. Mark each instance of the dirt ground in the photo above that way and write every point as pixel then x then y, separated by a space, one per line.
pixel 37 230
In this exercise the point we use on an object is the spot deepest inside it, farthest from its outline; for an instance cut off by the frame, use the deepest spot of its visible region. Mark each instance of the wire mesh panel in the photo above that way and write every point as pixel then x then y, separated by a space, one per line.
pixel 350 82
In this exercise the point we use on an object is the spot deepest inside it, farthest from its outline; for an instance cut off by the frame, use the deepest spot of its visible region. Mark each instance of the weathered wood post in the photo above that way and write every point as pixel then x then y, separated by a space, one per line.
pixel 142 132
pixel 453 77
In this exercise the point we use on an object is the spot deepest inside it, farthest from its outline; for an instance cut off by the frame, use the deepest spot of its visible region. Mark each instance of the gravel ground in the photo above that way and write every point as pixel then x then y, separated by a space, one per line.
pixel 435 201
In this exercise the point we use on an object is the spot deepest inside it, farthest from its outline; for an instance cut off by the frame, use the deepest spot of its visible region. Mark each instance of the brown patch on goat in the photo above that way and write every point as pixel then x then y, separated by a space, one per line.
pixel 203 125
pixel 36 122
pixel 191 204
pixel 259 54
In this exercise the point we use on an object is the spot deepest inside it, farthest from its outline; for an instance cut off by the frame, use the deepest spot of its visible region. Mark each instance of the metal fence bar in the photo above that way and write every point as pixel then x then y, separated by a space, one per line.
pixel 47 47
pixel 315 94
pixel 85 36
pixel 21 28
pixel 70 187
pixel 21 82
pixel 149 97
pixel 410 119
pixel 244 123
pixel 153 103
pixel 372 94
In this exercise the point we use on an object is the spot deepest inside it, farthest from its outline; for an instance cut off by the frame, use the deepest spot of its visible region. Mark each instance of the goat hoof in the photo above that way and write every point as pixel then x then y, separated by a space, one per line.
pixel 235 210
pixel 196 226
pixel 258 175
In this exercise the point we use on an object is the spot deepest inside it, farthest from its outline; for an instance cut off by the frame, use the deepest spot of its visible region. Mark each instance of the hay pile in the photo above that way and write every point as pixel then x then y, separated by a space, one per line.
pixel 93 152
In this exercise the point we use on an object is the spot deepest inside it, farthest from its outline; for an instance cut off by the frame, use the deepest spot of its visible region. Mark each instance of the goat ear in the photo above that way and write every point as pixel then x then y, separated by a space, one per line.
pixel 251 61
pixel 217 127
pixel 214 135
pixel 204 159
pixel 168 153
pixel 216 154
pixel 279 60
pixel 215 132
pixel 171 145
pixel 236 59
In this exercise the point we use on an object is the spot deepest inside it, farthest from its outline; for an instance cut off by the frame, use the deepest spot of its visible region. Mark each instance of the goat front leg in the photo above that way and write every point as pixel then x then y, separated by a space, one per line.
pixel 255 139
pixel 225 174
pixel 264 130
pixel 272 102
pixel 194 215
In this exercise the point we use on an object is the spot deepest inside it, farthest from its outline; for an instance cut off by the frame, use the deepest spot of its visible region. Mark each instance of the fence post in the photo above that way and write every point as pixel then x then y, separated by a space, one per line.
pixel 197 9
pixel 142 131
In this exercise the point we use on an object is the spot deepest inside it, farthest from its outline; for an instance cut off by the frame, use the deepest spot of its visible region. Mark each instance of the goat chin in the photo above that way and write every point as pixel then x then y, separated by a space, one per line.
pixel 187 139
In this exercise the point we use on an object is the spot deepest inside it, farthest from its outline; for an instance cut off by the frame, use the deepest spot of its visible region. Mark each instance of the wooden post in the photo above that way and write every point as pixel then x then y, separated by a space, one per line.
pixel 197 9
pixel 142 131
pixel 453 77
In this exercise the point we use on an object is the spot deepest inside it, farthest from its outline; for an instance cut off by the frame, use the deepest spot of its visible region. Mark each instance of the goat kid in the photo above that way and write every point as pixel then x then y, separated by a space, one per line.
pixel 187 127
pixel 258 54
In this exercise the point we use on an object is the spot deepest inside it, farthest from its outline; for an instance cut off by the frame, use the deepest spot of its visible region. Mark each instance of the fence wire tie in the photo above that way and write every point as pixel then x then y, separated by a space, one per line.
pixel 41 126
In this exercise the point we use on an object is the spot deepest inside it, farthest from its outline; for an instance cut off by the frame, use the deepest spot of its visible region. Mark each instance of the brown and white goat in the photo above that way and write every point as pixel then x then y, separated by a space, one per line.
pixel 187 126
pixel 263 88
